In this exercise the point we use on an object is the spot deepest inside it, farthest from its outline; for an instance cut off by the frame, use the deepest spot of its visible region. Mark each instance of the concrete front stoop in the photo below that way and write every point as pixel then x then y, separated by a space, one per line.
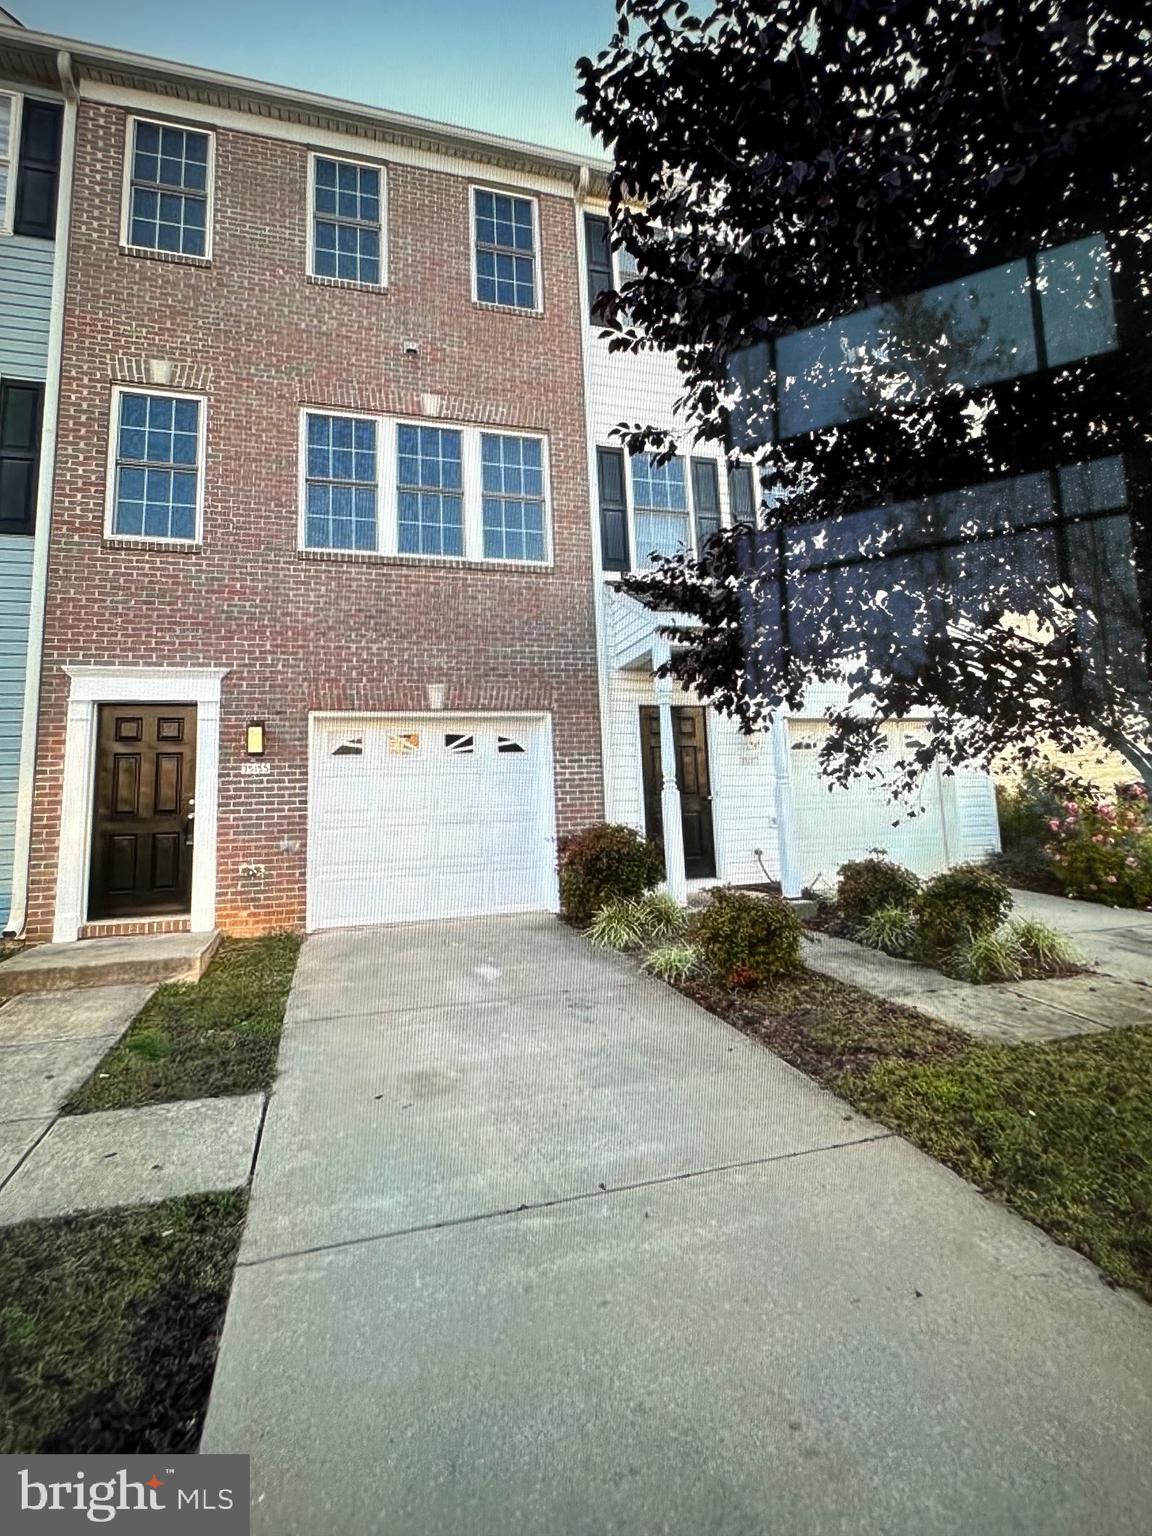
pixel 120 962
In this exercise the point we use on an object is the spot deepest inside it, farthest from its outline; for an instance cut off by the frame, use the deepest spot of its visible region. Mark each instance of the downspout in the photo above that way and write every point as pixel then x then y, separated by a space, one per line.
pixel 45 488
pixel 583 181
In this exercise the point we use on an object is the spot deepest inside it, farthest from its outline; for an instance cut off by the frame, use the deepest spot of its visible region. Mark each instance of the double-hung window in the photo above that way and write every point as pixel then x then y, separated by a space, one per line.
pixel 512 470
pixel 660 507
pixel 504 232
pixel 390 487
pixel 650 509
pixel 158 466
pixel 347 220
pixel 430 491
pixel 170 179
pixel 341 481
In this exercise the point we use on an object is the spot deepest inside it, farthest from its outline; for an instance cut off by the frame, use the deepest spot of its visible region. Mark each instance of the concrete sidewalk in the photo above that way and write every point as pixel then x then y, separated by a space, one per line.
pixel 536 1246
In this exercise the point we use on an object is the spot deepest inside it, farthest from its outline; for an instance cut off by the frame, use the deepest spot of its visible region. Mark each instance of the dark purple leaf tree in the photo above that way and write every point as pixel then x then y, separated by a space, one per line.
pixel 900 251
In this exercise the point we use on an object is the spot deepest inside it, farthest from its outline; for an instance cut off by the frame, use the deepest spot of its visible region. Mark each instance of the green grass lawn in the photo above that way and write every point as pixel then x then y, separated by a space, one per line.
pixel 109 1325
pixel 218 1035
pixel 1061 1132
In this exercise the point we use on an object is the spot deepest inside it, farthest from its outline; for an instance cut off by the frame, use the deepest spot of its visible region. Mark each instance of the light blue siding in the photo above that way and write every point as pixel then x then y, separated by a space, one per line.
pixel 25 303
pixel 15 591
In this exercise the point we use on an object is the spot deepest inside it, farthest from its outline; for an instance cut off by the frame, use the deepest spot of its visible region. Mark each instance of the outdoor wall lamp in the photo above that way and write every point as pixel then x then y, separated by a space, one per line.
pixel 254 741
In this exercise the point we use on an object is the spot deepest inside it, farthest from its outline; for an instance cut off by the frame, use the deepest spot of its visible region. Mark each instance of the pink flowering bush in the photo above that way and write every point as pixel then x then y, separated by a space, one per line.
pixel 1102 850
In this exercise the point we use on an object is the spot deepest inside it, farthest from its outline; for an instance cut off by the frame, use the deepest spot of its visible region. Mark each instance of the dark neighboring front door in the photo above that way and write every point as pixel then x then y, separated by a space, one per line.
pixel 692 781
pixel 143 809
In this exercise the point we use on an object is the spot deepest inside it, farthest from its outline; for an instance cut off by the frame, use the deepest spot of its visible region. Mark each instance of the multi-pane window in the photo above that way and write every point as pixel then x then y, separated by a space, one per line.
pixel 168 199
pixel 654 509
pixel 20 412
pixel 505 233
pixel 389 487
pixel 156 487
pixel 341 479
pixel 347 220
pixel 429 485
pixel 512 474
pixel 660 507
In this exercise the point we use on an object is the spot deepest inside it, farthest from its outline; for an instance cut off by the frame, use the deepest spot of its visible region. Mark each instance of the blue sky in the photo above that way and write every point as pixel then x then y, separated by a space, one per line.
pixel 506 66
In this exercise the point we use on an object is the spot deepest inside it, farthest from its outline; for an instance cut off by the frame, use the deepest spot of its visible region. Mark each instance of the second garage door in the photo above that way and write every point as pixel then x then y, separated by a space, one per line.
pixel 429 817
pixel 835 825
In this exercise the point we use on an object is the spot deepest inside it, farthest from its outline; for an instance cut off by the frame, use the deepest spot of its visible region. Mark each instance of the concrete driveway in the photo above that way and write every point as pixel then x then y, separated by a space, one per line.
pixel 537 1246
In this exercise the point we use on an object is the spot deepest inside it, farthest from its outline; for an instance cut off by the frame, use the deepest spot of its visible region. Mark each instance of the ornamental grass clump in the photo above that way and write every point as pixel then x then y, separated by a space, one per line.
pixel 891 929
pixel 673 962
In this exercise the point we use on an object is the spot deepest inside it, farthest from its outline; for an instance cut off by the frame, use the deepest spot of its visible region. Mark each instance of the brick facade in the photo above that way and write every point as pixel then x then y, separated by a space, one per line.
pixel 308 631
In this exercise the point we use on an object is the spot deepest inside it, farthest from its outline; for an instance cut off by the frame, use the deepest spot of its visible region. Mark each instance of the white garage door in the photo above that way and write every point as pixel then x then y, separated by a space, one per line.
pixel 429 817
pixel 832 826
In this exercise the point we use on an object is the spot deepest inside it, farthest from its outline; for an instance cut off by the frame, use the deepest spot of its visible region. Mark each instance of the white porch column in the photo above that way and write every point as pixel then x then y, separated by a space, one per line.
pixel 71 860
pixel 674 876
pixel 790 877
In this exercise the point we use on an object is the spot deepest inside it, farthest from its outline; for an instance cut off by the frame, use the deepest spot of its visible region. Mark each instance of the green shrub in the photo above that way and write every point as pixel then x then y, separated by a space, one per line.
pixel 673 962
pixel 866 885
pixel 602 864
pixel 1103 851
pixel 745 940
pixel 960 905
pixel 892 929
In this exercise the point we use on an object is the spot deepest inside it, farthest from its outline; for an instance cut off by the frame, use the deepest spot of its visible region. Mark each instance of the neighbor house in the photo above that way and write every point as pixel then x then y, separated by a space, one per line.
pixel 731 807
pixel 31 281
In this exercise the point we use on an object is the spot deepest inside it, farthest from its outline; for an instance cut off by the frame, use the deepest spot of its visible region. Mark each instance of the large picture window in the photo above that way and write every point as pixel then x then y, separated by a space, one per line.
pixel 390 487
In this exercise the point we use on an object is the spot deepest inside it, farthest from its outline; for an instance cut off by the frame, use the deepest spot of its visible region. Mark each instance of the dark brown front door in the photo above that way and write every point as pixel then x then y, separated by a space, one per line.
pixel 692 780
pixel 143 810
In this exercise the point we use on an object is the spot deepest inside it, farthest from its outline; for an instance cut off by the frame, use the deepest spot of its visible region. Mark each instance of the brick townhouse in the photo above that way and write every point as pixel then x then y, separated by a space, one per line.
pixel 319 644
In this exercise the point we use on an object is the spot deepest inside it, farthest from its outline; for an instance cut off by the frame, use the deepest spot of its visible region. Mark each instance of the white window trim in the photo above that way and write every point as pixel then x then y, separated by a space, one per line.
pixel 91 687
pixel 126 188
pixel 387 495
pixel 372 165
pixel 537 252
pixel 118 392
pixel 12 161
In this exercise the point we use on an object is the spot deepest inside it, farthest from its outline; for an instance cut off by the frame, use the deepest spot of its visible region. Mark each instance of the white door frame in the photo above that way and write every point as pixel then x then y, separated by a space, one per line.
pixel 548 778
pixel 91 687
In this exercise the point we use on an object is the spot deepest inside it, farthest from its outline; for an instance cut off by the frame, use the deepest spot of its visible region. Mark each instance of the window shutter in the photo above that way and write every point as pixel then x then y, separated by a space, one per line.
pixel 705 500
pixel 741 494
pixel 19 455
pixel 39 171
pixel 614 553
pixel 598 256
